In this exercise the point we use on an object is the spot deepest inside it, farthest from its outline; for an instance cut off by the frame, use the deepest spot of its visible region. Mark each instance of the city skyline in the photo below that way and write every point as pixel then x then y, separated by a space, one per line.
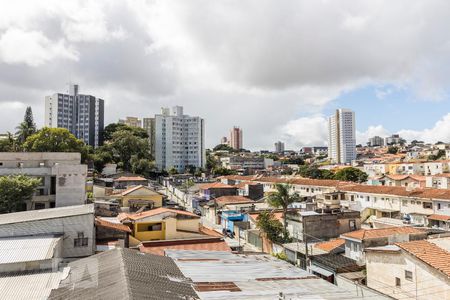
pixel 173 58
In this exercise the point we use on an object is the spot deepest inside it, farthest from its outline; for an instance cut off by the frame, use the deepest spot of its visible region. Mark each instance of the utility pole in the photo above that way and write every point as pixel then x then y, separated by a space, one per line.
pixel 305 240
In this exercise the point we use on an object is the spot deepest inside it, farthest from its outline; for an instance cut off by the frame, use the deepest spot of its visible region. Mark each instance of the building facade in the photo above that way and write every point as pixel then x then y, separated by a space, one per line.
pixel 149 125
pixel 63 177
pixel 341 136
pixel 179 140
pixel 376 141
pixel 279 147
pixel 82 115
pixel 131 121
pixel 236 138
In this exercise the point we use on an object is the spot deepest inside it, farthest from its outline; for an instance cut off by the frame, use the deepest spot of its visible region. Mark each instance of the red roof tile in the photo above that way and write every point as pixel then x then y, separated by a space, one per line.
pixel 208 244
pixel 111 225
pixel 429 253
pixel 135 188
pixel 136 178
pixel 215 185
pixel 439 217
pixel 330 245
pixel 364 234
pixel 225 200
pixel 154 212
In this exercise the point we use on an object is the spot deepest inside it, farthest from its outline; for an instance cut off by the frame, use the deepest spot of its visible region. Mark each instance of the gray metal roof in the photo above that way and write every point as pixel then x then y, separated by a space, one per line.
pixel 224 275
pixel 124 274
pixel 28 248
pixel 29 286
pixel 50 213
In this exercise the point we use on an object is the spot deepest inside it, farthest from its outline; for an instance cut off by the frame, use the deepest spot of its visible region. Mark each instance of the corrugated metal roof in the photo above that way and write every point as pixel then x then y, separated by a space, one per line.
pixel 29 286
pixel 124 274
pixel 223 275
pixel 50 213
pixel 28 248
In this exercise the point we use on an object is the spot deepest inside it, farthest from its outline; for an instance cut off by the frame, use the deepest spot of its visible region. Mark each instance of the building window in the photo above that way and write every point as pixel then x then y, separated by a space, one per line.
pixel 408 275
pixel 427 205
pixel 352 224
pixel 398 282
pixel 39 205
pixel 80 241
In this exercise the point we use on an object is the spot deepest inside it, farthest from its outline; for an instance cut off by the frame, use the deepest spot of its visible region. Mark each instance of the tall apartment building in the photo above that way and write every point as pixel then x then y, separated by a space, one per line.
pixel 341 136
pixel 131 121
pixel 376 141
pixel 235 141
pixel 149 125
pixel 63 177
pixel 179 140
pixel 82 115
pixel 394 140
pixel 279 147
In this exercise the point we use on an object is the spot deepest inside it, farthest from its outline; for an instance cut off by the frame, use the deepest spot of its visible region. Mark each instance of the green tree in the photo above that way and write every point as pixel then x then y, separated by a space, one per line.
pixel 9 144
pixel 392 150
pixel 221 171
pixel 124 145
pixel 142 166
pixel 53 140
pixel 273 228
pixel 283 198
pixel 112 128
pixel 173 171
pixel 27 127
pixel 224 147
pixel 438 155
pixel 15 190
pixel 351 174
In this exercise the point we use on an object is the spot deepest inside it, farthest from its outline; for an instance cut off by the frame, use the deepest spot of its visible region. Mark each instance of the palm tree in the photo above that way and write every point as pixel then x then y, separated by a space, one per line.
pixel 283 198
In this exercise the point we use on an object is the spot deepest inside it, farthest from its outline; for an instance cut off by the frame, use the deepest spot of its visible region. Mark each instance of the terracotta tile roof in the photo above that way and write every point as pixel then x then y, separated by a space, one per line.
pixel 154 212
pixel 136 178
pixel 208 244
pixel 111 225
pixel 439 217
pixel 215 185
pixel 209 232
pixel 365 234
pixel 403 177
pixel 447 175
pixel 135 188
pixel 277 215
pixel 331 245
pixel 429 253
pixel 225 200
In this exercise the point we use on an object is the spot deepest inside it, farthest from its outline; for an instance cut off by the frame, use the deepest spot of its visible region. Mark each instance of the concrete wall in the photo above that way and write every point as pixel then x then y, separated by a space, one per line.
pixel 69 227
pixel 427 283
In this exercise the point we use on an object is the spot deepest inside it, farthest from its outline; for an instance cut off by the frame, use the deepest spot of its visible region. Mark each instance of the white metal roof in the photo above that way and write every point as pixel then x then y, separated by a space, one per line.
pixel 256 276
pixel 28 248
pixel 29 286
pixel 50 213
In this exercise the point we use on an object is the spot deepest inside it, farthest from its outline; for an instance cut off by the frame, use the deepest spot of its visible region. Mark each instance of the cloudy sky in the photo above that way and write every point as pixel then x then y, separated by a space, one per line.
pixel 276 69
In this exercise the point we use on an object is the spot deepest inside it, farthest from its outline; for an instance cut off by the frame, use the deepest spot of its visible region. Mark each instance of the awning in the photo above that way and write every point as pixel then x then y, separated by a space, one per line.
pixel 321 271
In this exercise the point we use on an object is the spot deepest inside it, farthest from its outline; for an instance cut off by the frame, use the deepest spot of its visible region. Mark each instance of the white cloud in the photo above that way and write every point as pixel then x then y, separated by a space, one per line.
pixel 31 48
pixel 439 132
pixel 305 131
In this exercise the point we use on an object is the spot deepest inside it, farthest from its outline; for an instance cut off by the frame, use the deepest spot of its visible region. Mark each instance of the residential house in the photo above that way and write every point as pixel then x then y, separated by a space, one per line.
pixel 406 168
pixel 162 224
pixel 409 181
pixel 140 196
pixel 75 224
pixel 110 233
pixel 357 241
pixel 216 190
pixel 375 169
pixel 211 210
pixel 63 177
pixel 438 181
pixel 436 167
pixel 313 226
pixel 410 270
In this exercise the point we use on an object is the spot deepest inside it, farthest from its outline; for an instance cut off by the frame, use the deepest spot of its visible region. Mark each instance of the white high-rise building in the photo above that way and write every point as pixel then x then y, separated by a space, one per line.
pixel 179 140
pixel 341 136
pixel 82 115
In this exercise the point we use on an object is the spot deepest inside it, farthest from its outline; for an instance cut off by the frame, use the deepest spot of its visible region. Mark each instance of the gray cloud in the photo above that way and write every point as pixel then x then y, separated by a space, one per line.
pixel 266 66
